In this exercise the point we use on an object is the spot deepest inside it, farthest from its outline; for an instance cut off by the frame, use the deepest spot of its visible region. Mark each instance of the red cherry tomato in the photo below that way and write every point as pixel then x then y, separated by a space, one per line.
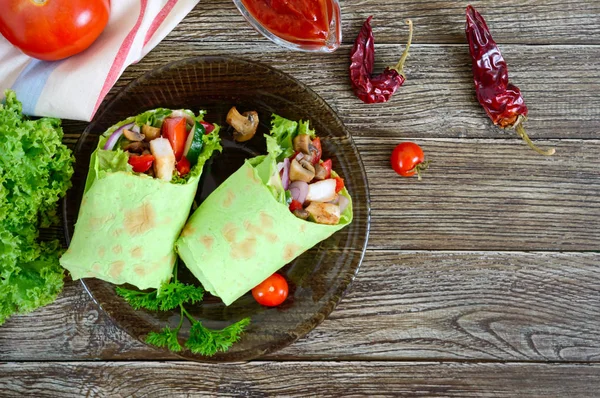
pixel 272 291
pixel 141 164
pixel 339 184
pixel 52 30
pixel 174 129
pixel 408 159
pixel 183 166
pixel 327 165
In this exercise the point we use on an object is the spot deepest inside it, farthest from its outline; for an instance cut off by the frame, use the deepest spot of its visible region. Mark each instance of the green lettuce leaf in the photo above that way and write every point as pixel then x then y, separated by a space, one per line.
pixel 153 117
pixel 284 131
pixel 35 172
pixel 303 128
pixel 113 161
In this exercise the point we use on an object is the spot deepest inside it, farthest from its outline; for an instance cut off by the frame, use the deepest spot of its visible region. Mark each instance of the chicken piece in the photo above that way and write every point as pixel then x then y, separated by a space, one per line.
pixel 324 213
pixel 321 191
pixel 164 158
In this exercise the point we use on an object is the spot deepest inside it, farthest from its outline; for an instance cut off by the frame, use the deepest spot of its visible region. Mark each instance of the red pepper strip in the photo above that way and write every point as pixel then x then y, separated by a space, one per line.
pixel 208 127
pixel 380 88
pixel 140 164
pixel 327 165
pixel 501 100
pixel 339 184
pixel 183 166
pixel 295 205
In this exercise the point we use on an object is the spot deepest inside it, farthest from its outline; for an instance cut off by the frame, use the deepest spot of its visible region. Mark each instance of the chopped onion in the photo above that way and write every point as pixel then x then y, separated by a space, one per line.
pixel 299 156
pixel 136 129
pixel 279 167
pixel 299 190
pixel 343 203
pixel 285 178
pixel 114 137
pixel 182 113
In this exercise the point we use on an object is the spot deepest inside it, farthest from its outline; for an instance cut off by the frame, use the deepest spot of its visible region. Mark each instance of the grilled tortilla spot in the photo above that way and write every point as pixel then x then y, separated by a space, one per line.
pixel 207 241
pixel 141 220
pixel 116 269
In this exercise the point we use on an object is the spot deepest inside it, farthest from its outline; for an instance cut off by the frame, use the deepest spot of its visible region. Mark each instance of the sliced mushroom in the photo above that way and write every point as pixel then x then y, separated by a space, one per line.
pixel 136 147
pixel 301 213
pixel 302 143
pixel 133 135
pixel 301 171
pixel 150 132
pixel 320 172
pixel 245 124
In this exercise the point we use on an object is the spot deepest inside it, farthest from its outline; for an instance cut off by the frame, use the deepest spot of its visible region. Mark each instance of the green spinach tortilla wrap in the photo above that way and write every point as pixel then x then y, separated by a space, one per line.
pixel 245 230
pixel 141 183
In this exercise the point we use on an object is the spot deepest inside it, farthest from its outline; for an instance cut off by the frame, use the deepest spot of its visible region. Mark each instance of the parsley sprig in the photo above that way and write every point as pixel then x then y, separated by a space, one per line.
pixel 175 294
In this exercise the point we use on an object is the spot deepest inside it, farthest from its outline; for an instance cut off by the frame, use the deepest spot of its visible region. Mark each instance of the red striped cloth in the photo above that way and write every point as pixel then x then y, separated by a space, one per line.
pixel 75 87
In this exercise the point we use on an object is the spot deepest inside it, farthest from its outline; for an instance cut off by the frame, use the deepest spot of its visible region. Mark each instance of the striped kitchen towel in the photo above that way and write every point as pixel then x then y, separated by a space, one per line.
pixel 74 88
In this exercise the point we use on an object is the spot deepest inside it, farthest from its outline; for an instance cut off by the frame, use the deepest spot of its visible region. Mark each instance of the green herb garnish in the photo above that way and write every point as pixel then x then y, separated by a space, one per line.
pixel 175 294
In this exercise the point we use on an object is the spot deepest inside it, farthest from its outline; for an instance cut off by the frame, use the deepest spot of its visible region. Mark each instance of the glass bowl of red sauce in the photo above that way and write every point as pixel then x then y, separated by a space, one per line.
pixel 302 25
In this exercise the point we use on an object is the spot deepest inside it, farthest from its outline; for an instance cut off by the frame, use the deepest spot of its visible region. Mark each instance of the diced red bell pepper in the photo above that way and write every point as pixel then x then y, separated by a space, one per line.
pixel 141 164
pixel 327 166
pixel 174 129
pixel 295 205
pixel 317 155
pixel 183 166
pixel 208 127
pixel 339 184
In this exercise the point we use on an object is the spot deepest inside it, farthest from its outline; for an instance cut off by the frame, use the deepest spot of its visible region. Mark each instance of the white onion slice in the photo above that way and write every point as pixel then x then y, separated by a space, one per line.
pixel 343 203
pixel 279 167
pixel 136 129
pixel 114 137
pixel 285 178
pixel 180 113
pixel 299 190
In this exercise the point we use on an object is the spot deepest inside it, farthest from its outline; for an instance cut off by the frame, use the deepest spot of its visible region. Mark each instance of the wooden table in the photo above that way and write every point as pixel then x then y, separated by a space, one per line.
pixel 482 279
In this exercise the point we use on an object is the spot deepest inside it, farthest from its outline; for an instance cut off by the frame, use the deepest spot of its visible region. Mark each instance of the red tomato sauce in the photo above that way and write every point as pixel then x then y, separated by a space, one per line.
pixel 297 21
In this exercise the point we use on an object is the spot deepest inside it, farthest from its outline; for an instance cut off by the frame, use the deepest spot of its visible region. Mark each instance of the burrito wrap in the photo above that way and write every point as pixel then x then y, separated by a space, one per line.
pixel 241 234
pixel 128 223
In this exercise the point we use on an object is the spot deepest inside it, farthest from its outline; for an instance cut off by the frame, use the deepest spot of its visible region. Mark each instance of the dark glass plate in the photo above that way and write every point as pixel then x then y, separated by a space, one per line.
pixel 319 277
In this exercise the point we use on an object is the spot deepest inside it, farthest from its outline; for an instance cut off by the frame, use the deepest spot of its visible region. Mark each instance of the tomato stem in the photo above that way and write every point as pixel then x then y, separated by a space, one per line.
pixel 521 131
pixel 420 167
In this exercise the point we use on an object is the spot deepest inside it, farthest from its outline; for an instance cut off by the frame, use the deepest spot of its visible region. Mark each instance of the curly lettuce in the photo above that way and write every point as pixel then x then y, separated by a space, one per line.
pixel 35 172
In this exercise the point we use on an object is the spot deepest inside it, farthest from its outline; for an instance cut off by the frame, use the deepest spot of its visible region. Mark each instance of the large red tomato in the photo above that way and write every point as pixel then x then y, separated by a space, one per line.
pixel 53 29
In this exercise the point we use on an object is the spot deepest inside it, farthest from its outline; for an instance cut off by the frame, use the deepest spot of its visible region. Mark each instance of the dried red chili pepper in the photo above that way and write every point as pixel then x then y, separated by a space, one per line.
pixel 374 89
pixel 501 100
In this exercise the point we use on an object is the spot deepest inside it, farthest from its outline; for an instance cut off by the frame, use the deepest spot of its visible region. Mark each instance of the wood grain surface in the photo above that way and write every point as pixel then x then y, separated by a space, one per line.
pixel 559 83
pixel 299 379
pixel 481 280
pixel 402 306
pixel 439 22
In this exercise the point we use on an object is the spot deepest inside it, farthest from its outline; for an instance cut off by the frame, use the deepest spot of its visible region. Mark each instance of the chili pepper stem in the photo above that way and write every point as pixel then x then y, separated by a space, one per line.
pixel 521 131
pixel 400 65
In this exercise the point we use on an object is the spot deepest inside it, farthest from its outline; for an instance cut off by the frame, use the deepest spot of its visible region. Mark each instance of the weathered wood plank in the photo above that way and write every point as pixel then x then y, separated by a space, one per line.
pixel 486 195
pixel 438 100
pixel 419 379
pixel 511 21
pixel 402 306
